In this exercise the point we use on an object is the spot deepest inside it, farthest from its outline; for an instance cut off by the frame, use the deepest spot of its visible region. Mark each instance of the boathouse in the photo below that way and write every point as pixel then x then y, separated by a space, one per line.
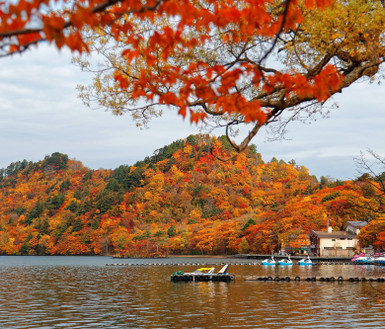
pixel 333 243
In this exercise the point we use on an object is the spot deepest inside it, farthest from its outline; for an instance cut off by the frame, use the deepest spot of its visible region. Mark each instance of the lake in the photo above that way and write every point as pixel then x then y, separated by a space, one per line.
pixel 82 292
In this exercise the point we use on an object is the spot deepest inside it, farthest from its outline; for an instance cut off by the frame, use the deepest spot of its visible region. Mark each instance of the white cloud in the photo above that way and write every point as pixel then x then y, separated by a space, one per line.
pixel 41 114
pixel 327 146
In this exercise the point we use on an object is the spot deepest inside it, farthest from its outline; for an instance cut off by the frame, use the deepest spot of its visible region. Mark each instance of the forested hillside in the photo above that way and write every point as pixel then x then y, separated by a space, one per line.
pixel 181 200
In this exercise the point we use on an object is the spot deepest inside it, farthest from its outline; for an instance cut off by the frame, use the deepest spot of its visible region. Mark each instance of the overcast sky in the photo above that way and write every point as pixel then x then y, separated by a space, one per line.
pixel 41 114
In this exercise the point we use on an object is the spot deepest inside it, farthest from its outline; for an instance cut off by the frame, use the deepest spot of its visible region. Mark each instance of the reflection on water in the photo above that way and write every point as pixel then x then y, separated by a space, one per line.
pixel 81 292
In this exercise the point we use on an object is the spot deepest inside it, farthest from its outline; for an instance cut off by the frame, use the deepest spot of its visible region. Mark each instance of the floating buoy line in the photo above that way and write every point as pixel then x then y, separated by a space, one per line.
pixel 314 279
pixel 217 264
pixel 330 279
pixel 179 264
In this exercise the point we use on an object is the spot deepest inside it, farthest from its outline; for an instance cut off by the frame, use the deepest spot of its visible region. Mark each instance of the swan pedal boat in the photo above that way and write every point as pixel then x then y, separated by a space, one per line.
pixel 287 261
pixel 269 261
pixel 305 261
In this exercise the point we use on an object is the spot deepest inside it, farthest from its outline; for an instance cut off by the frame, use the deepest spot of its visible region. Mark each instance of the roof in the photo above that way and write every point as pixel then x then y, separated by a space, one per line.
pixel 334 234
pixel 356 224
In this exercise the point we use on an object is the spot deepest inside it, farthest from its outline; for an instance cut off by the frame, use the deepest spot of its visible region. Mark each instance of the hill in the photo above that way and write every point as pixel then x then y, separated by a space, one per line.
pixel 181 200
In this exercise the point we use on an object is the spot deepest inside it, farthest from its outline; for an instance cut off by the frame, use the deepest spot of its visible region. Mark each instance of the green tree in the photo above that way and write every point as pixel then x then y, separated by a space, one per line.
pixel 35 212
pixel 171 232
pixel 56 161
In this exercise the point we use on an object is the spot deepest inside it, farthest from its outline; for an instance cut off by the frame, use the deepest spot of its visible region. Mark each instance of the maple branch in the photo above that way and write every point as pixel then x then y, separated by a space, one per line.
pixel 227 64
pixel 24 47
pixel 205 108
pixel 238 147
pixel 318 68
pixel 95 10
pixel 13 33
pixel 282 127
pixel 364 164
pixel 235 146
pixel 285 10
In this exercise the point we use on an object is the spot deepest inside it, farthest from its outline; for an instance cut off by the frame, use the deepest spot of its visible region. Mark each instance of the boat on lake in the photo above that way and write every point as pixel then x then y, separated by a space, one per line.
pixel 364 260
pixel 287 261
pixel 380 260
pixel 357 256
pixel 269 261
pixel 305 261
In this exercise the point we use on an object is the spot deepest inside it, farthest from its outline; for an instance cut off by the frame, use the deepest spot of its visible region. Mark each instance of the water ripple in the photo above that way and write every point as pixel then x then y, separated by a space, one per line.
pixel 81 296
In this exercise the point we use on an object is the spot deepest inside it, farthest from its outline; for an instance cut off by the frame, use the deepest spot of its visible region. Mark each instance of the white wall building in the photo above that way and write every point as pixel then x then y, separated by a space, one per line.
pixel 336 243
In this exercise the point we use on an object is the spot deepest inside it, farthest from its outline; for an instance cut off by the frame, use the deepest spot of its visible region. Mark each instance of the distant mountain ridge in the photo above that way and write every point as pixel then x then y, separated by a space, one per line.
pixel 181 200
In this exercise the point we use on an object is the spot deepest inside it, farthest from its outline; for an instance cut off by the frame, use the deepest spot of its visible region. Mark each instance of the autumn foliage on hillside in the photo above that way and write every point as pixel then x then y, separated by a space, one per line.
pixel 181 200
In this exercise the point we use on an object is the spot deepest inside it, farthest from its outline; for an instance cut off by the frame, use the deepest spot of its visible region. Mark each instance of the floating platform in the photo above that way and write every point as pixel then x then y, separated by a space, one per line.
pixel 202 277
pixel 314 279
pixel 204 274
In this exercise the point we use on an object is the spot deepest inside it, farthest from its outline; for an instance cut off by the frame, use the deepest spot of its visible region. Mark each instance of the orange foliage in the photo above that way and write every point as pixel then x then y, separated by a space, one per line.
pixel 160 205
pixel 62 25
pixel 302 240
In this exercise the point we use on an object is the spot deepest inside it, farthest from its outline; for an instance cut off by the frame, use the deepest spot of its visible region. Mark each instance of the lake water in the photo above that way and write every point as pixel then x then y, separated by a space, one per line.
pixel 82 292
